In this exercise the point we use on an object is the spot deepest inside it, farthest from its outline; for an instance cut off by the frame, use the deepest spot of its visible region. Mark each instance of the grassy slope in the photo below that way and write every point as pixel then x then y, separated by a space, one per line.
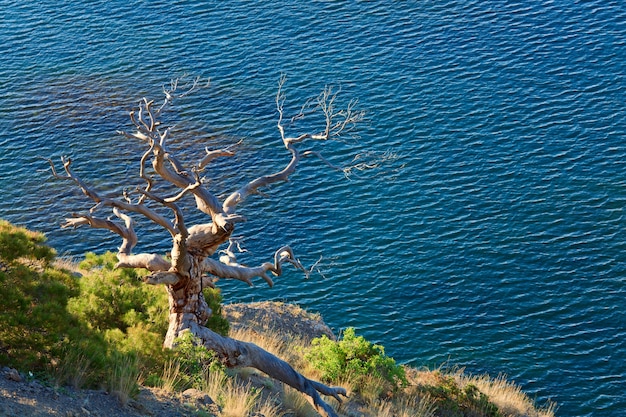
pixel 103 328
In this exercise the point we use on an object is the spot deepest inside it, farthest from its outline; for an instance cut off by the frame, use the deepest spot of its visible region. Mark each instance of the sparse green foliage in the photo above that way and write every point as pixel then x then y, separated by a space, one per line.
pixel 355 356
pixel 117 298
pixel 129 315
pixel 216 322
pixel 195 361
pixel 77 329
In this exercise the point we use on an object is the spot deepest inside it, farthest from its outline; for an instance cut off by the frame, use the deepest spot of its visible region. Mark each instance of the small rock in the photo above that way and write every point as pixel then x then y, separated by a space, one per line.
pixel 198 396
pixel 139 407
pixel 13 375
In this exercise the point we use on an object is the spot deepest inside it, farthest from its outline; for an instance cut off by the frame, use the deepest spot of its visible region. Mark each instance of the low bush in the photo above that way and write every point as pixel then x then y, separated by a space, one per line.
pixel 117 298
pixel 131 316
pixel 195 362
pixel 35 326
pixel 18 242
pixel 354 356
pixel 74 329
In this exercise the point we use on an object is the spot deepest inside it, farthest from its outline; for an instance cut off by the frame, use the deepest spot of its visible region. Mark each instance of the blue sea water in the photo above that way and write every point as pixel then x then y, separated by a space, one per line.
pixel 493 239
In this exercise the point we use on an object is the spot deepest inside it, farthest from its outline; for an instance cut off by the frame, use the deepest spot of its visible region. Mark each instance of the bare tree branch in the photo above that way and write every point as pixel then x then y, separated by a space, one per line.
pixel 227 266
pixel 104 201
pixel 170 93
pixel 230 204
pixel 337 123
pixel 191 266
pixel 166 165
pixel 148 261
pixel 211 155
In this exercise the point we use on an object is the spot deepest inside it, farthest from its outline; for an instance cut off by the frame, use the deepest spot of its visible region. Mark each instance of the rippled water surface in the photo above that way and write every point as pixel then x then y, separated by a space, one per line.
pixel 494 240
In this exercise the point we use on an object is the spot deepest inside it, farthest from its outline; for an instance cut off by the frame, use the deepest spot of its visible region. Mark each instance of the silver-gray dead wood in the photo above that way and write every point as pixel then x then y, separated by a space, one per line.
pixel 191 265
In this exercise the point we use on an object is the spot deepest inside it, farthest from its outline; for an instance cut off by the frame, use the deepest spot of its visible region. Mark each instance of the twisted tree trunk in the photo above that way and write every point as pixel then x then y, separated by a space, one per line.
pixel 191 267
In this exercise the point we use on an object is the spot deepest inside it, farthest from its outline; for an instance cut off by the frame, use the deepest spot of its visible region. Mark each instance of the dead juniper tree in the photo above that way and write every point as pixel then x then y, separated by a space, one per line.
pixel 190 265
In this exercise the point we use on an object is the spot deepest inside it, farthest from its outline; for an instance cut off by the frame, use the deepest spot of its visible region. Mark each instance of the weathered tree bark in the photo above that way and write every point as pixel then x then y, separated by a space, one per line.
pixel 191 267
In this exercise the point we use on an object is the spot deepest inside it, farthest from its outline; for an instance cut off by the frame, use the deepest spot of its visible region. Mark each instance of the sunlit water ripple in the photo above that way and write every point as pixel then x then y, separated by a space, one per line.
pixel 493 241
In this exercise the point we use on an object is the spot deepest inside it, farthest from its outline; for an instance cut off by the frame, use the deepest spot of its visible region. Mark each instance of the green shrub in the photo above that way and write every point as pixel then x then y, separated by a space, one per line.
pixel 355 357
pixel 117 298
pixel 217 322
pixel 130 316
pixel 87 330
pixel 17 242
pixel 35 327
pixel 195 361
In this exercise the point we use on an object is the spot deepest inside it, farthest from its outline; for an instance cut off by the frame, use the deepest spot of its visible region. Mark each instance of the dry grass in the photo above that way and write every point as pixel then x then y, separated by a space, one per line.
pixel 408 406
pixel 415 406
pixel 67 263
pixel 371 388
pixel 288 347
pixel 297 404
pixel 123 379
pixel 73 369
pixel 507 396
pixel 237 400
pixel 213 384
pixel 269 407
pixel 171 380
pixel 241 399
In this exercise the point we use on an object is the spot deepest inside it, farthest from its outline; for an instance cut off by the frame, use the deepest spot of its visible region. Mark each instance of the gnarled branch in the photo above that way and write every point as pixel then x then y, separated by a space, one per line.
pixel 235 353
pixel 227 266
pixel 338 122
pixel 214 154
pixel 104 201
pixel 191 267
pixel 165 164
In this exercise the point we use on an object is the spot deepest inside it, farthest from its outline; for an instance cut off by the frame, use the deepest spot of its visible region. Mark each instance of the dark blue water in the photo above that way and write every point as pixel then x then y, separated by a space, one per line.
pixel 494 237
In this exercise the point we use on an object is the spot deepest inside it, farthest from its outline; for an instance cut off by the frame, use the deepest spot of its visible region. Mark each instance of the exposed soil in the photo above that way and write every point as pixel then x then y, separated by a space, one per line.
pixel 284 318
pixel 21 397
